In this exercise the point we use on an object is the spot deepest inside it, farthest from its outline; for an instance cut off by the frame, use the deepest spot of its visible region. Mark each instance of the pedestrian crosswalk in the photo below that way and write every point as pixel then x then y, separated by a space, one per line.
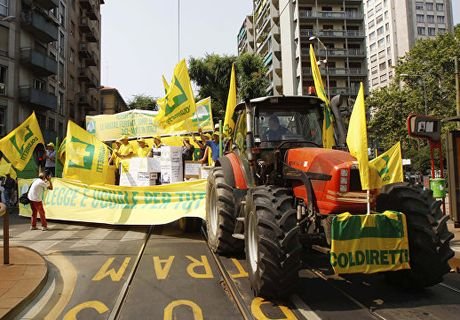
pixel 72 237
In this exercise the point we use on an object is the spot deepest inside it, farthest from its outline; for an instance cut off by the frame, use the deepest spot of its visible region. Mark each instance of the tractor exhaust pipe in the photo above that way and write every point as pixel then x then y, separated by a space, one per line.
pixel 337 102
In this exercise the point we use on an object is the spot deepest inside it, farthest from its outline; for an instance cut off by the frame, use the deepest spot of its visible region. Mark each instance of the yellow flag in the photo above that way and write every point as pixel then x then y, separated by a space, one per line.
pixel 386 168
pixel 19 145
pixel 86 156
pixel 357 137
pixel 165 84
pixel 179 103
pixel 328 123
pixel 61 150
pixel 6 167
pixel 229 124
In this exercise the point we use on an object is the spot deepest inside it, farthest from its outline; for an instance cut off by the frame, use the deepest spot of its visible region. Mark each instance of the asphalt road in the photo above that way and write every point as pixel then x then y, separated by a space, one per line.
pixel 107 272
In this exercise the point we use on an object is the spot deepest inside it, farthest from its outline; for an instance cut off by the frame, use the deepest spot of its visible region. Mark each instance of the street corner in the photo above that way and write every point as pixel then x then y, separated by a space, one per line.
pixel 20 280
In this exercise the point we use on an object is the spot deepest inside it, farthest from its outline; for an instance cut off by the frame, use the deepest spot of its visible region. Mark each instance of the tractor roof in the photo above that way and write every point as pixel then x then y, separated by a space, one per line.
pixel 277 101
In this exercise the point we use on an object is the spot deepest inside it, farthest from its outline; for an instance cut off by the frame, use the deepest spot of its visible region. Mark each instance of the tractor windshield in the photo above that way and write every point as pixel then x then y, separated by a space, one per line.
pixel 287 125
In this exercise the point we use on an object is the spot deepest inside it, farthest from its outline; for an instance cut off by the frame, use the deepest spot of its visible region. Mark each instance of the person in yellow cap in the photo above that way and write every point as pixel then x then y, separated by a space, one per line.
pixel 113 160
pixel 126 150
pixel 155 152
pixel 50 159
pixel 205 150
pixel 143 149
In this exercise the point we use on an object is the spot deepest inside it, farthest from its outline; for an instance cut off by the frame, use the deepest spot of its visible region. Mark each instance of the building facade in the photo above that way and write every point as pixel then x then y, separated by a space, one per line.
pixel 111 101
pixel 336 30
pixel 49 62
pixel 393 27
pixel 246 36
pixel 267 43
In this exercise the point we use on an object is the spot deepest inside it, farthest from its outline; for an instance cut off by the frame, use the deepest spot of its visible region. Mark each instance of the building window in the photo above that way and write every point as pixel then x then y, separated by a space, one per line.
pixel 61 103
pixel 62 44
pixel 380 31
pixel 62 14
pixel 418 5
pixel 3 77
pixel 389 62
pixel 430 18
pixel 71 82
pixel 440 19
pixel 420 18
pixel 431 31
pixel 373 46
pixel 61 73
pixel 61 129
pixel 381 43
pixel 72 28
pixel 372 36
pixel 441 30
pixel 72 55
pixel 51 125
pixel 4 35
pixel 4 8
pixel 388 39
pixel 52 89
pixel 379 19
pixel 382 66
pixel 429 6
pixel 439 6
pixel 371 24
pixel 421 31
pixel 373 58
pixel 39 84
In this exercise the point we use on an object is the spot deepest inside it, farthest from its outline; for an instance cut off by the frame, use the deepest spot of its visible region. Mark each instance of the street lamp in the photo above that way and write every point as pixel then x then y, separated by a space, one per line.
pixel 423 86
pixel 325 61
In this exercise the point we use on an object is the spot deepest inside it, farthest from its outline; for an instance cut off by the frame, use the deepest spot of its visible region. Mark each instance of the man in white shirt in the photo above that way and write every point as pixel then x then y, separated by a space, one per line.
pixel 35 196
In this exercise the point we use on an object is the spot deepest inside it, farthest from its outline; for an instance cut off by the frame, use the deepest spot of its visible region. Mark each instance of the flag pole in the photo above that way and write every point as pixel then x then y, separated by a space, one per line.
pixel 368 201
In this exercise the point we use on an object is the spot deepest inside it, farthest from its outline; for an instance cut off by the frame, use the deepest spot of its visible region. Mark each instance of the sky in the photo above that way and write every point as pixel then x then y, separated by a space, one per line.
pixel 139 40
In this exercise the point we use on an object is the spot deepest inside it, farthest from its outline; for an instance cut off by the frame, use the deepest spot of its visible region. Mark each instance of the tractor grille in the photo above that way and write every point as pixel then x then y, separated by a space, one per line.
pixel 355 181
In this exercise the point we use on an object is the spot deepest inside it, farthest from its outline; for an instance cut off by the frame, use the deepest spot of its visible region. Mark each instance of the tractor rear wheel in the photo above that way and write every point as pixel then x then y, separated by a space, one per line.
pixel 429 248
pixel 220 214
pixel 272 243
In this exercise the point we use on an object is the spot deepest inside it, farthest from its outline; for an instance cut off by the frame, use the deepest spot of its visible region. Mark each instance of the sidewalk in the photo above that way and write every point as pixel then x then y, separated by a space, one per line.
pixel 21 280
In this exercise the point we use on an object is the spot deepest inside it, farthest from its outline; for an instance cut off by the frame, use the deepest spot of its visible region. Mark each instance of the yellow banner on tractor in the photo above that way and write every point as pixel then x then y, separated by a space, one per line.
pixel 120 205
pixel 369 243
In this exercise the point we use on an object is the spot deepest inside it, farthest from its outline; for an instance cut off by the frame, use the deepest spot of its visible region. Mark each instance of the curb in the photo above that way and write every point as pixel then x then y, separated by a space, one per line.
pixel 21 305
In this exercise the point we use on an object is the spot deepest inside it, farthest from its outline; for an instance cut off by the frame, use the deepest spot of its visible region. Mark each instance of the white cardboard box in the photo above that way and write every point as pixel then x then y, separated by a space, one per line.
pixel 139 172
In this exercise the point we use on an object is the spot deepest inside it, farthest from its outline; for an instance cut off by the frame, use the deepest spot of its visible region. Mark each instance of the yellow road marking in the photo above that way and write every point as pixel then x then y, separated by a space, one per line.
pixel 196 310
pixel 162 271
pixel 96 305
pixel 203 263
pixel 114 275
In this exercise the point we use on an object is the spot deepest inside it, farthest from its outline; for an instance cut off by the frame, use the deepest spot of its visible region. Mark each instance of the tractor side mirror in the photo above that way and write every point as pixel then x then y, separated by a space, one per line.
pixel 422 126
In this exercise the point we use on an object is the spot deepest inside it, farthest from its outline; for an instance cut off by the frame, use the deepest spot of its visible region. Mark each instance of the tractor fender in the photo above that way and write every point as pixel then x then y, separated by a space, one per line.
pixel 233 173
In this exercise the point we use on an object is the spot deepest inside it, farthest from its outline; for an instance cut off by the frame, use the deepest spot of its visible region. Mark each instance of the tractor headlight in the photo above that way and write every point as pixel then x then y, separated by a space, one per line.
pixel 343 172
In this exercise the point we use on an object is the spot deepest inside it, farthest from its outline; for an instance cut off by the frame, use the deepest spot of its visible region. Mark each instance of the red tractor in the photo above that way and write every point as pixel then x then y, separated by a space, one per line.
pixel 275 191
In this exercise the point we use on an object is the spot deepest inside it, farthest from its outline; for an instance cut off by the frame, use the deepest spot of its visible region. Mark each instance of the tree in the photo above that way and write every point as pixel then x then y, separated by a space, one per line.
pixel 425 72
pixel 142 101
pixel 212 77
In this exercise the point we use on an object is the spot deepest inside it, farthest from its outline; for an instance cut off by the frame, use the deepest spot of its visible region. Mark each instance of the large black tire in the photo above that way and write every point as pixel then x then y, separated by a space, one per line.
pixel 220 215
pixel 273 249
pixel 429 247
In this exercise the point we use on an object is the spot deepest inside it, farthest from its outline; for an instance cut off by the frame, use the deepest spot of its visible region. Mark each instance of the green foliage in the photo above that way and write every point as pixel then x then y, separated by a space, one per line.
pixel 425 72
pixel 142 101
pixel 212 77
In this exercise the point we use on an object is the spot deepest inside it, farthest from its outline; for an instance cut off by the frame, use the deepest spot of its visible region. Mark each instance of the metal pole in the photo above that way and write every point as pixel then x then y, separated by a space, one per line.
pixel 457 87
pixel 178 30
pixel 327 76
pixel 6 234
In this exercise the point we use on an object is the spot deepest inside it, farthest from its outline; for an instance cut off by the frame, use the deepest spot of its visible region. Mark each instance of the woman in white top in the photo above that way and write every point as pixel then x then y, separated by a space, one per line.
pixel 35 196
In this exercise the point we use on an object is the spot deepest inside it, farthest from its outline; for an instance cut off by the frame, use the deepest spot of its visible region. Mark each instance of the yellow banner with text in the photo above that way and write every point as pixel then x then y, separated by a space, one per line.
pixel 155 205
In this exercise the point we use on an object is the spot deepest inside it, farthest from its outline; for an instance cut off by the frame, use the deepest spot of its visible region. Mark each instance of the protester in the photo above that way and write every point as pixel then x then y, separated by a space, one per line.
pixel 50 157
pixel 143 149
pixel 204 155
pixel 9 186
pixel 113 160
pixel 35 196
pixel 126 150
pixel 156 148
pixel 187 150
pixel 213 144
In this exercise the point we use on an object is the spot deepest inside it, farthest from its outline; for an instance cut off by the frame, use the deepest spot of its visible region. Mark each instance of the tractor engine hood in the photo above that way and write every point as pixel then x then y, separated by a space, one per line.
pixel 343 192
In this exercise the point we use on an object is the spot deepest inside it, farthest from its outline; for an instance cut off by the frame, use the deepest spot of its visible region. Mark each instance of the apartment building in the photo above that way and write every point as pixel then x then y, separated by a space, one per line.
pixel 111 101
pixel 393 27
pixel 336 30
pixel 245 36
pixel 49 62
pixel 267 44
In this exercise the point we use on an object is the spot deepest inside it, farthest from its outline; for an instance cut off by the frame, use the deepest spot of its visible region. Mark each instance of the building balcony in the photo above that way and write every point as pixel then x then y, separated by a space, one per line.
pixel 90 8
pixel 85 53
pixel 338 72
pixel 344 91
pixel 342 53
pixel 39 98
pixel 340 34
pixel 43 28
pixel 45 4
pixel 330 15
pixel 88 30
pixel 85 75
pixel 40 64
pixel 86 101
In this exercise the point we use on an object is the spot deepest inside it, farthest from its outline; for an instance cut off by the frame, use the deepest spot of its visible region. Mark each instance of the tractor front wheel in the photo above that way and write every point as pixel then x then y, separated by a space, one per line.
pixel 220 214
pixel 271 241
pixel 429 248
